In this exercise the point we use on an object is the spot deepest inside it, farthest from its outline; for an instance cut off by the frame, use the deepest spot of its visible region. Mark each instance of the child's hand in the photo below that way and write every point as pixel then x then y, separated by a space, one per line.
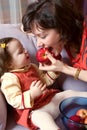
pixel 37 88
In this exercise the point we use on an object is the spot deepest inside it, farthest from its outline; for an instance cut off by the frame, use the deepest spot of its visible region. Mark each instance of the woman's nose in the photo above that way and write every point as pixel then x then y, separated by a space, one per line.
pixel 39 43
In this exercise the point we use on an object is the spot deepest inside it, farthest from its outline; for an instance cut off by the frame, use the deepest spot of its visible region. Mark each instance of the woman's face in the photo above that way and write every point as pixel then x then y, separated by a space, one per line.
pixel 49 38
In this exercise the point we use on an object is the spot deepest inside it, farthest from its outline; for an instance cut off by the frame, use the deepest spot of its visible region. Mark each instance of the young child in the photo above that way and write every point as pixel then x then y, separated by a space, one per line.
pixel 25 88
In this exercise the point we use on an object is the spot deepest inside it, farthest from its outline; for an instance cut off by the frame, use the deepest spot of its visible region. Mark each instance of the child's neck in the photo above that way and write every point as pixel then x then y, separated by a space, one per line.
pixel 25 68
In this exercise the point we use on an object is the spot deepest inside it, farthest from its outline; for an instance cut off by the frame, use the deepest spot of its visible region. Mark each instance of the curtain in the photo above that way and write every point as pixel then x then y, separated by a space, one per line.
pixel 11 11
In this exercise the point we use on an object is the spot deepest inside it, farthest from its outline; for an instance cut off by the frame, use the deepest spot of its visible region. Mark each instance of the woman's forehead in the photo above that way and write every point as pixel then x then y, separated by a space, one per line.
pixel 36 29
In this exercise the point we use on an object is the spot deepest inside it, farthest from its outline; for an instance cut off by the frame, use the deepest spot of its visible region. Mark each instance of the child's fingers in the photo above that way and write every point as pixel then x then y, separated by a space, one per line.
pixel 39 84
pixel 33 83
pixel 43 88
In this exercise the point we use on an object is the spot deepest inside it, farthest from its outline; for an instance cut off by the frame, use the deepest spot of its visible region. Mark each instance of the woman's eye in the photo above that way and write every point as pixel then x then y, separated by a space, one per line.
pixel 43 37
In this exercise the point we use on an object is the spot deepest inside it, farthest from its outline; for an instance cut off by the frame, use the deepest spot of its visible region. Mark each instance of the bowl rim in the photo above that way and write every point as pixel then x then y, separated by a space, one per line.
pixel 62 113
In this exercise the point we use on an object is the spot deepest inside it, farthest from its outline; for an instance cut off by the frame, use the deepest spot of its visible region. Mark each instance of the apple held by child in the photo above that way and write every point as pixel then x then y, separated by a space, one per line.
pixel 42 56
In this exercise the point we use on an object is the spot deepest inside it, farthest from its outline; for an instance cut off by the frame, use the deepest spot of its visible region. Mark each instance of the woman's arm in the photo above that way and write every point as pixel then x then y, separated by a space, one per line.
pixel 81 74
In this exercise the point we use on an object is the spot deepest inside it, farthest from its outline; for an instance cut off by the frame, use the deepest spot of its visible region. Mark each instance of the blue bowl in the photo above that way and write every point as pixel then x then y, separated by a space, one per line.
pixel 68 108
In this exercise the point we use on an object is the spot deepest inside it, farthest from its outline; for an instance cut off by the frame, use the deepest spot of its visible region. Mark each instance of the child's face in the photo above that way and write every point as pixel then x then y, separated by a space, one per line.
pixel 20 56
pixel 48 38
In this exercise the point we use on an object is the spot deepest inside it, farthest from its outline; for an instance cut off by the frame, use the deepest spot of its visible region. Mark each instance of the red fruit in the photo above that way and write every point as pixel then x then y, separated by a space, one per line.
pixel 76 118
pixel 82 113
pixel 42 57
pixel 74 123
pixel 85 120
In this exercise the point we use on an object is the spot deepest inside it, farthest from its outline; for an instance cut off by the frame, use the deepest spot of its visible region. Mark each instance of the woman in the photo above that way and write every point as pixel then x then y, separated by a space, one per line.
pixel 57 24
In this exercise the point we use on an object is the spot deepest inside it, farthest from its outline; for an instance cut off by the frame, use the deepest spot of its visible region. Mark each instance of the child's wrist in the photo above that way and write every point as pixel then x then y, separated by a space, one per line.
pixel 53 75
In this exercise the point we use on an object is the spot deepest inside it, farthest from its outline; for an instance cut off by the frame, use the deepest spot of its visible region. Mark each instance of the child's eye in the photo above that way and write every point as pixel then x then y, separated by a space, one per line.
pixel 21 51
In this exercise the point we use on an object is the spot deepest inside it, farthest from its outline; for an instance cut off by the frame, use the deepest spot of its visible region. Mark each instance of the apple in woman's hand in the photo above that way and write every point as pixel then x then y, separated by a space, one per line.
pixel 42 56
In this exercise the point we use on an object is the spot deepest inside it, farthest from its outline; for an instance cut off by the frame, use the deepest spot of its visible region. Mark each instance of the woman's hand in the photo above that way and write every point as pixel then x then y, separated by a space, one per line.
pixel 56 65
pixel 37 88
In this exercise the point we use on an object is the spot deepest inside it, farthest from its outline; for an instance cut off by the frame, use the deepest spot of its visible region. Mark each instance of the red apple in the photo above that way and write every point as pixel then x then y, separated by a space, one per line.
pixel 85 120
pixel 82 113
pixel 76 118
pixel 72 125
pixel 42 57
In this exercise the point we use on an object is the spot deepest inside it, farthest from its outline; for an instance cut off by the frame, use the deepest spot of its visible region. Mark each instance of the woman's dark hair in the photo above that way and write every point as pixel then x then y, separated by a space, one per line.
pixel 55 14
pixel 5 57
